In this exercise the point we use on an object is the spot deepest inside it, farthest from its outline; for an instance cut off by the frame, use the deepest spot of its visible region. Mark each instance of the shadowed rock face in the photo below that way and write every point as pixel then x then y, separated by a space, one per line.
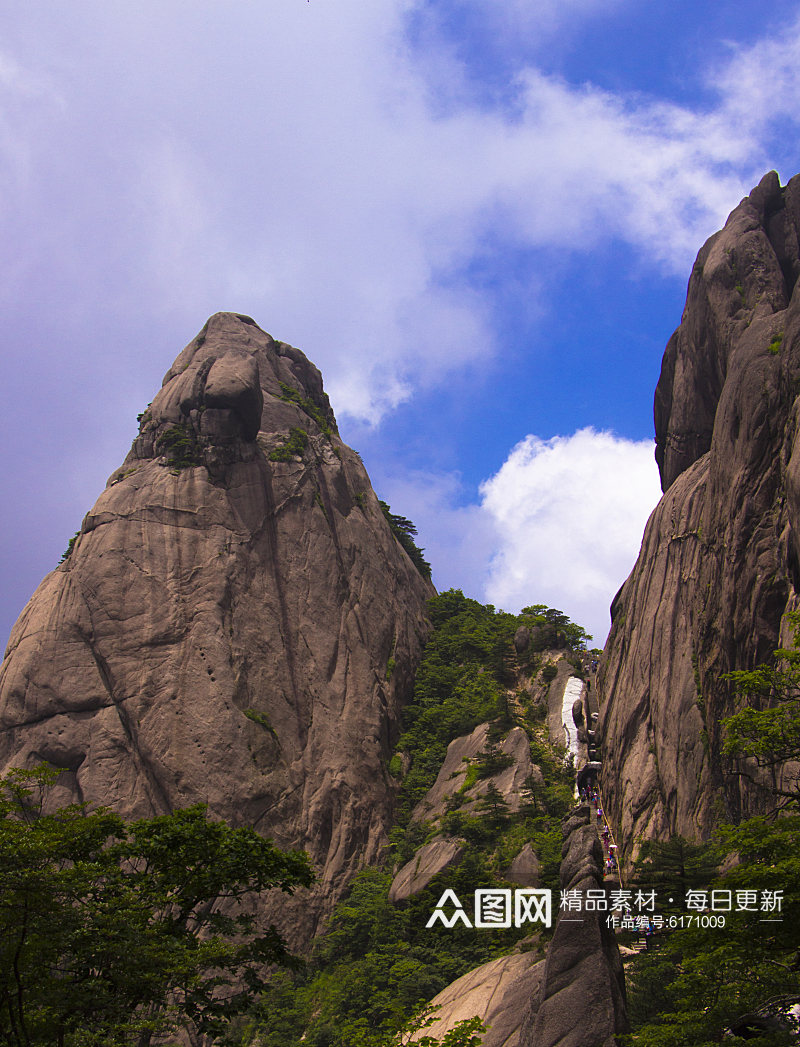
pixel 221 631
pixel 719 559
pixel 582 997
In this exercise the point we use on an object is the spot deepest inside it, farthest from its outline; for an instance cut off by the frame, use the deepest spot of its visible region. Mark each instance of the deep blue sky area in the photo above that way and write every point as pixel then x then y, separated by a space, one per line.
pixel 592 359
pixel 477 218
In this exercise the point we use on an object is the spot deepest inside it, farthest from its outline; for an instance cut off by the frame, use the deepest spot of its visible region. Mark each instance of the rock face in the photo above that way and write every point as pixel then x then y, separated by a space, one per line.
pixel 524 870
pixel 429 861
pixel 223 627
pixel 582 998
pixel 497 992
pixel 720 559
pixel 509 781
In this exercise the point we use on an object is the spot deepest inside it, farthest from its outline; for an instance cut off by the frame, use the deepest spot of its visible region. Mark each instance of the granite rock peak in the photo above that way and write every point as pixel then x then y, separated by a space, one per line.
pixel 235 622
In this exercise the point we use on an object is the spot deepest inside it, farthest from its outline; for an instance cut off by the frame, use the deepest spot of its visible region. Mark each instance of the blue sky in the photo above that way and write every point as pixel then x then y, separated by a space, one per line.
pixel 477 218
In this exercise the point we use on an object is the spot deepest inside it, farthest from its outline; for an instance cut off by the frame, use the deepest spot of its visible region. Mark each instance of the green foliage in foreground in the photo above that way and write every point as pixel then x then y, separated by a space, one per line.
pixel 464 1034
pixel 700 981
pixel 109 933
pixel 377 966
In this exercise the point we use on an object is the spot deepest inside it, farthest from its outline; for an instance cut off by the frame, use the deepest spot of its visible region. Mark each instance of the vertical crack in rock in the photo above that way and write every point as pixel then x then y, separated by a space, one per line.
pixel 201 642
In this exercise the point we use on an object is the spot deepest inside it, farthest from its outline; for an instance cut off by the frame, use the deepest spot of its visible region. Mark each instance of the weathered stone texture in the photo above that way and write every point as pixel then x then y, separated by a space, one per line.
pixel 498 992
pixel 431 859
pixel 453 773
pixel 719 560
pixel 221 630
pixel 525 868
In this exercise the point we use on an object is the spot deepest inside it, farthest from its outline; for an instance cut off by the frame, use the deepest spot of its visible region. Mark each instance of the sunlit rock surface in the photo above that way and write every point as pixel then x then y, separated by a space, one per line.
pixel 719 563
pixel 235 624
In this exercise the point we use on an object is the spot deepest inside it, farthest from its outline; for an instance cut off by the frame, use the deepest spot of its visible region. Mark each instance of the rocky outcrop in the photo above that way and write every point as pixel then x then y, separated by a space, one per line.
pixel 431 859
pixel 235 623
pixel 582 998
pixel 720 558
pixel 468 749
pixel 497 992
pixel 524 869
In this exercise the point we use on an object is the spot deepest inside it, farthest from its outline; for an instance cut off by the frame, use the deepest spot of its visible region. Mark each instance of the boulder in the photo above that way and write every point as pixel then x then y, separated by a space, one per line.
pixel 431 859
pixel 498 992
pixel 509 781
pixel 524 870
pixel 522 639
pixel 452 774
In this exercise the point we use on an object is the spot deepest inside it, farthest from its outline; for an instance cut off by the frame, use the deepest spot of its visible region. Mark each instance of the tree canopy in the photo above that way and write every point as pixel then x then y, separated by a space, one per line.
pixel 113 932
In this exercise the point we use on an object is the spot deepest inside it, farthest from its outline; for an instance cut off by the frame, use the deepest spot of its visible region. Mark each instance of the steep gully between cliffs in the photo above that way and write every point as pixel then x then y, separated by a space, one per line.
pixel 236 624
pixel 719 565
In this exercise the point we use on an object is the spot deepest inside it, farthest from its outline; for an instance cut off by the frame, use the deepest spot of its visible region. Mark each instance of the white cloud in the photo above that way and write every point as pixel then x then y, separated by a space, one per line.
pixel 569 513
pixel 312 180
pixel 760 83
pixel 518 28
pixel 560 523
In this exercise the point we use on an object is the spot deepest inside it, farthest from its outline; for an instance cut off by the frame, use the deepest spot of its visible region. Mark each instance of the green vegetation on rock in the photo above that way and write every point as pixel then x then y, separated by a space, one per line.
pixel 70 546
pixel 309 407
pixel 294 447
pixel 261 719
pixel 405 532
pixel 179 447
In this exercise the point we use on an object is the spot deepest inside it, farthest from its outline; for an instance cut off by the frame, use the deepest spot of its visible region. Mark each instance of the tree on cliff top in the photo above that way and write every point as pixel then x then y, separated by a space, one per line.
pixel 110 932
pixel 405 532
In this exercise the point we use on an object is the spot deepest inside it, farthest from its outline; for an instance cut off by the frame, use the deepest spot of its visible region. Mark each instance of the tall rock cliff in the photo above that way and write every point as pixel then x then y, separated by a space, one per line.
pixel 235 623
pixel 719 563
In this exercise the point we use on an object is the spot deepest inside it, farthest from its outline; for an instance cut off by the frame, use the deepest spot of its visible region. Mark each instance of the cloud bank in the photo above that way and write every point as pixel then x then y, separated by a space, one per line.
pixel 302 162
pixel 559 523
pixel 569 513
